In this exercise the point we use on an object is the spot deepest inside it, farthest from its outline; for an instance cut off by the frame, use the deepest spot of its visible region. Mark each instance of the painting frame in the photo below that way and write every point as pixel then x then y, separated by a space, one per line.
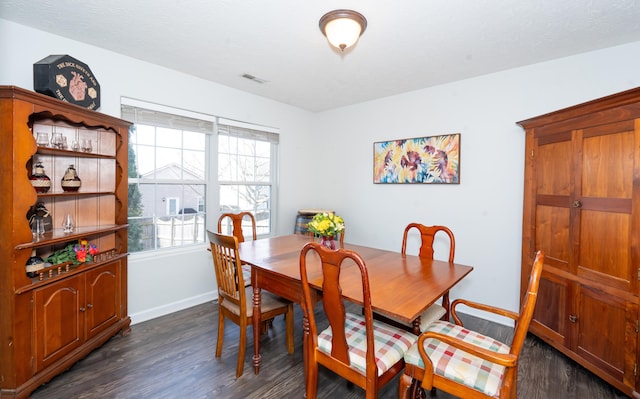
pixel 418 160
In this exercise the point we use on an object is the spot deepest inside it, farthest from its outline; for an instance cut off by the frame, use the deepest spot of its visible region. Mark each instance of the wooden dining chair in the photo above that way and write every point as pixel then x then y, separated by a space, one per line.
pixel 436 311
pixel 428 236
pixel 236 220
pixel 466 363
pixel 367 353
pixel 233 294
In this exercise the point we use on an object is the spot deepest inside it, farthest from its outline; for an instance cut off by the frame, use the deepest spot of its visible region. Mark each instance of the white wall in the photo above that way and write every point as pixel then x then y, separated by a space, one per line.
pixel 164 281
pixel 484 210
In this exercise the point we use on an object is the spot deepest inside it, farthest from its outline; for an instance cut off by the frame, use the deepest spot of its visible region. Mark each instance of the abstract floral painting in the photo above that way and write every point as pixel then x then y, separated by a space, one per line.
pixel 434 159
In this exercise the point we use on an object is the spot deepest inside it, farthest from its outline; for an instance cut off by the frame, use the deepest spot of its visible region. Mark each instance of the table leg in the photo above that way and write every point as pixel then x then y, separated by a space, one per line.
pixel 416 326
pixel 256 329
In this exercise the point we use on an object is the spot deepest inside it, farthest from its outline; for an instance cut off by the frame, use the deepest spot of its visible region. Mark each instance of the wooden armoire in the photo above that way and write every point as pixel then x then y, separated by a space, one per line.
pixel 63 311
pixel 582 208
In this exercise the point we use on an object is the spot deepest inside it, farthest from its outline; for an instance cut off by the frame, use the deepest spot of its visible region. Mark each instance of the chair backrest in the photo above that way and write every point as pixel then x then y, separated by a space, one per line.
pixel 528 305
pixel 428 235
pixel 236 221
pixel 224 250
pixel 331 261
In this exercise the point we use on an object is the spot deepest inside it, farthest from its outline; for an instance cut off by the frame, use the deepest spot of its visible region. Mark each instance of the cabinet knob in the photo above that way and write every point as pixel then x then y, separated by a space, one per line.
pixel 90 305
pixel 82 309
pixel 573 318
pixel 576 204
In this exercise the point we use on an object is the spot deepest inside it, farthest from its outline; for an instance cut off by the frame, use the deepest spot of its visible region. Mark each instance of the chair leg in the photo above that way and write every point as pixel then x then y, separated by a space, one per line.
pixel 242 347
pixel 403 386
pixel 220 333
pixel 289 323
pixel 416 391
pixel 312 379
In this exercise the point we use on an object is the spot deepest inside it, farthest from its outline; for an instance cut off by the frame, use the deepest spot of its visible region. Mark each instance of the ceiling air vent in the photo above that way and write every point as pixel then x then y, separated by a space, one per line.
pixel 254 78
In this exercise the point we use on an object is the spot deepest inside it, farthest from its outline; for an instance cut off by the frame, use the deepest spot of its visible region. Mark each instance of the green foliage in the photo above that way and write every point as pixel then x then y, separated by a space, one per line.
pixel 135 207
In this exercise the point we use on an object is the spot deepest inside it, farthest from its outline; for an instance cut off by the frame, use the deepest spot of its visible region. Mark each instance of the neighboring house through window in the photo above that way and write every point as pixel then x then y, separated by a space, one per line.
pixel 171 189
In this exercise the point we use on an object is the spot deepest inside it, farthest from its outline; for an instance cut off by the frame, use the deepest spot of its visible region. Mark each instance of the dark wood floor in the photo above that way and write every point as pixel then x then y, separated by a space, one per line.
pixel 173 357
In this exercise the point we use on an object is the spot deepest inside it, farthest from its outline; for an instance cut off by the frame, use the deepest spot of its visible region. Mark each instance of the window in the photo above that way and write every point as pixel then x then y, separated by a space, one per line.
pixel 167 179
pixel 170 189
pixel 247 173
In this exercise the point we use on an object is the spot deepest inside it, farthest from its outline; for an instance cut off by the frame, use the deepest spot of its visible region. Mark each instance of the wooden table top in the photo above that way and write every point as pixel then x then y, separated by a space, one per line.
pixel 402 286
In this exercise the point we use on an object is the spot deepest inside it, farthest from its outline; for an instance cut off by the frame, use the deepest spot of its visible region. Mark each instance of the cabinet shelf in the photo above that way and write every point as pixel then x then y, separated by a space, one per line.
pixel 58 237
pixel 73 270
pixel 71 153
pixel 75 194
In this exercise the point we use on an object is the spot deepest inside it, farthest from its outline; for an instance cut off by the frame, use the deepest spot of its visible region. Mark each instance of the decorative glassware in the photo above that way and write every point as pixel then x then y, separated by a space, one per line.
pixel 56 140
pixel 70 180
pixel 37 227
pixel 42 139
pixel 67 223
pixel 39 179
pixel 75 146
pixel 86 145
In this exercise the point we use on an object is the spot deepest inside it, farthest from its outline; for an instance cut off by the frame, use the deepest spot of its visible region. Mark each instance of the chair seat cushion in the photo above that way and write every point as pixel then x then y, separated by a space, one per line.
pixel 390 343
pixel 268 302
pixel 458 365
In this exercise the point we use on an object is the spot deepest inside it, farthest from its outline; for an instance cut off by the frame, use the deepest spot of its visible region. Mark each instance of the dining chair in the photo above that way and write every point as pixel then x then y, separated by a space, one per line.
pixel 436 311
pixel 365 352
pixel 466 363
pixel 236 220
pixel 233 294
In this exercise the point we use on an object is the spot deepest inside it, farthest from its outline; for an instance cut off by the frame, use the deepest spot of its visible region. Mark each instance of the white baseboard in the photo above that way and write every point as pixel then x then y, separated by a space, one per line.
pixel 166 309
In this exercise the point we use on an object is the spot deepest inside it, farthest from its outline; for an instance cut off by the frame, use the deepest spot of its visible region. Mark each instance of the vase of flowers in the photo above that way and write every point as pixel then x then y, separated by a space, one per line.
pixel 75 253
pixel 326 225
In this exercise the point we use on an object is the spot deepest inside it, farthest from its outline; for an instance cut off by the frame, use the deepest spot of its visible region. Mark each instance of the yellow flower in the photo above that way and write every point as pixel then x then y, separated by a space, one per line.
pixel 326 224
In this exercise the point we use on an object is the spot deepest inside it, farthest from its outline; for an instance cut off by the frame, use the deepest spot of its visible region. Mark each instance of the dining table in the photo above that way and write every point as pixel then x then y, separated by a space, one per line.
pixel 402 286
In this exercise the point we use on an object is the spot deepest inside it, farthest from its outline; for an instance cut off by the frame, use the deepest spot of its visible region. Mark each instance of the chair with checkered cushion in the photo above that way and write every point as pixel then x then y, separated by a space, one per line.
pixel 366 352
pixel 427 238
pixel 466 363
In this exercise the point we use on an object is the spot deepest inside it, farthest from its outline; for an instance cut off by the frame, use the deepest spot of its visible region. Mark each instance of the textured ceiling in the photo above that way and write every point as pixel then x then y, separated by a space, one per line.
pixel 408 44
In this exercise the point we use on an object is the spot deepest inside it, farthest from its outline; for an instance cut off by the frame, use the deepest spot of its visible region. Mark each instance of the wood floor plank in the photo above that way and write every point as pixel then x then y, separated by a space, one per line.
pixel 174 357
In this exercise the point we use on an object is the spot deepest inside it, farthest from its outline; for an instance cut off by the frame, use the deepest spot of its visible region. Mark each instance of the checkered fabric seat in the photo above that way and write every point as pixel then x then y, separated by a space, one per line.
pixel 459 365
pixel 390 343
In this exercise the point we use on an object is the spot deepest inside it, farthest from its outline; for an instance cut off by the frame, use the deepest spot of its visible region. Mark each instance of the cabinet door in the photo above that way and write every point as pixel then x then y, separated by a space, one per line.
pixel 606 333
pixel 551 315
pixel 103 298
pixel 58 320
pixel 602 225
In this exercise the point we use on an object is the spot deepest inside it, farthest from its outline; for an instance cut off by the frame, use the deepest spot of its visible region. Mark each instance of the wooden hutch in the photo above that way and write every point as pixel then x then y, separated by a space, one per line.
pixel 50 321
pixel 582 208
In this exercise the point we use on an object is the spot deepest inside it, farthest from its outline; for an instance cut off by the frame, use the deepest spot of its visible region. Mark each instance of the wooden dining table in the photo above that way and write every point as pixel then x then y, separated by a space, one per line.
pixel 402 286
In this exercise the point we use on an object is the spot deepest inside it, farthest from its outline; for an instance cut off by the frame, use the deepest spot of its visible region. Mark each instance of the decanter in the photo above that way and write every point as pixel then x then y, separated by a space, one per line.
pixel 70 180
pixel 39 179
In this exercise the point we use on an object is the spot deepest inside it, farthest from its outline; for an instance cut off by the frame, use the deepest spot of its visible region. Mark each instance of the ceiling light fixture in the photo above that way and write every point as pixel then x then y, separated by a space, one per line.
pixel 343 27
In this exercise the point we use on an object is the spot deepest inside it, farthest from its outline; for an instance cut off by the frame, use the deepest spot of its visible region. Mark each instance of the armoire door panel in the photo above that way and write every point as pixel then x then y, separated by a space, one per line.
pixel 553 168
pixel 552 235
pixel 607 165
pixel 604 255
pixel 607 332
pixel 550 315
